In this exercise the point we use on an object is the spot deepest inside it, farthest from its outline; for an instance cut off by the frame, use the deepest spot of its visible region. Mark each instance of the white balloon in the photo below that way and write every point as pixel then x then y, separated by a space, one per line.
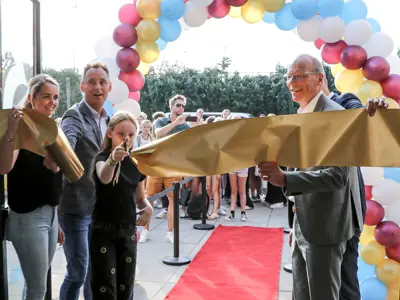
pixel 184 26
pixel 119 92
pixel 386 192
pixel 392 213
pixel 203 3
pixel 128 105
pixel 106 47
pixel 380 44
pixel 331 29
pixel 394 62
pixel 358 32
pixel 112 66
pixel 15 79
pixel 309 30
pixel 372 176
pixel 195 15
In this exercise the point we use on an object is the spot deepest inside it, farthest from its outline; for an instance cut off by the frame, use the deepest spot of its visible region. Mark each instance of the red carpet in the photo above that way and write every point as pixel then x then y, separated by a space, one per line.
pixel 238 263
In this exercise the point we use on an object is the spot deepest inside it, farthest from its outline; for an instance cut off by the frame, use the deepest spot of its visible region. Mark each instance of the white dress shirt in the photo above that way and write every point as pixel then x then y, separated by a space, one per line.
pixel 309 108
pixel 101 120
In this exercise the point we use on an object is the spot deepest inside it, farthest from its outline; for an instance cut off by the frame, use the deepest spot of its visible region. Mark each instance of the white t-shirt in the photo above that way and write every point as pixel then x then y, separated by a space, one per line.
pixel 141 141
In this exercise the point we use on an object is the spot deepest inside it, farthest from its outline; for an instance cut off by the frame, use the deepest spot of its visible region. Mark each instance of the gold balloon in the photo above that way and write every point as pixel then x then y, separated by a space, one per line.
pixel 393 291
pixel 335 69
pixel 273 5
pixel 149 9
pixel 253 11
pixel 143 67
pixel 148 30
pixel 349 81
pixel 388 271
pixel 367 234
pixel 148 52
pixel 235 12
pixel 372 253
pixel 392 103
pixel 369 89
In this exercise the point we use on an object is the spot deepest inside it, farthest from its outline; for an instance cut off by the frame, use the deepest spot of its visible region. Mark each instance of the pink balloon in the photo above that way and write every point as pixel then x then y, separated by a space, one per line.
pixel 375 213
pixel 128 59
pixel 128 14
pixel 319 43
pixel 237 3
pixel 331 52
pixel 387 233
pixel 353 57
pixel 376 68
pixel 219 9
pixel 125 35
pixel 134 80
pixel 394 252
pixel 391 86
pixel 135 96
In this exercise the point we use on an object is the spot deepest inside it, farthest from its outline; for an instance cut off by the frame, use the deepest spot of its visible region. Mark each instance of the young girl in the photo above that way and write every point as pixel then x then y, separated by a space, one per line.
pixel 144 137
pixel 119 186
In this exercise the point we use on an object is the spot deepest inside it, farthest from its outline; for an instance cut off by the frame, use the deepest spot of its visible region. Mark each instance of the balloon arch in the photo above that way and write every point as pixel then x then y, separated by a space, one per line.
pixel 361 60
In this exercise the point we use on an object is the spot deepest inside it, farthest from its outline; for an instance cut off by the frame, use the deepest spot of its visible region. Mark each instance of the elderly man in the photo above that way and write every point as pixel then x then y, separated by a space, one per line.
pixel 327 199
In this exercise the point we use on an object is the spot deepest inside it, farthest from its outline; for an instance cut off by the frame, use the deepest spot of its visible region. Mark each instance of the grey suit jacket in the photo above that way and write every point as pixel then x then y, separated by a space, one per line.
pixel 84 136
pixel 327 199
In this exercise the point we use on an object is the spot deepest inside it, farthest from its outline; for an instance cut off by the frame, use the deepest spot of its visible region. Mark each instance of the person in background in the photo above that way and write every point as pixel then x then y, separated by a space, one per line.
pixel 34 189
pixel 145 137
pixel 199 115
pixel 140 119
pixel 225 114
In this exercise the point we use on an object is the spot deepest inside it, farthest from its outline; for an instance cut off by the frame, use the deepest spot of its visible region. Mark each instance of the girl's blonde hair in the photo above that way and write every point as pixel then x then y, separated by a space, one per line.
pixel 151 133
pixel 35 84
pixel 116 119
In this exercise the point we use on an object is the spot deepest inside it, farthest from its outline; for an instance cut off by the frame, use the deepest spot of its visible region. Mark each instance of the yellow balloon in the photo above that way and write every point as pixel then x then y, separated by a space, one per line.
pixel 392 103
pixel 253 11
pixel 149 9
pixel 367 235
pixel 373 253
pixel 273 5
pixel 148 30
pixel 335 69
pixel 393 292
pixel 388 271
pixel 143 67
pixel 369 89
pixel 349 81
pixel 235 12
pixel 148 52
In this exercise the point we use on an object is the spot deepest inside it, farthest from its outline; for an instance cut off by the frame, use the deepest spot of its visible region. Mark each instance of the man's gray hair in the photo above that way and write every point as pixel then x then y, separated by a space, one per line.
pixel 317 65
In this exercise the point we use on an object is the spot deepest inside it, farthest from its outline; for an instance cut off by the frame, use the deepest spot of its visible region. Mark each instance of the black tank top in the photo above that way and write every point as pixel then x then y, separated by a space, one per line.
pixel 31 185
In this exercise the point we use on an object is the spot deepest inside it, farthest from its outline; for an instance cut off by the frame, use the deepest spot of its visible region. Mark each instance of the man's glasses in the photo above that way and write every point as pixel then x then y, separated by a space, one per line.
pixel 298 77
pixel 180 105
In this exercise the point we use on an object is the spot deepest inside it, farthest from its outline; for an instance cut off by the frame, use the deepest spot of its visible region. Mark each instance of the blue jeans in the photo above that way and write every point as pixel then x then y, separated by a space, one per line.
pixel 76 249
pixel 34 237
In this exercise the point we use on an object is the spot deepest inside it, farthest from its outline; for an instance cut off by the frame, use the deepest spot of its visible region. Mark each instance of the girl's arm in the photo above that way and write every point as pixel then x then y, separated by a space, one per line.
pixel 105 170
pixel 141 200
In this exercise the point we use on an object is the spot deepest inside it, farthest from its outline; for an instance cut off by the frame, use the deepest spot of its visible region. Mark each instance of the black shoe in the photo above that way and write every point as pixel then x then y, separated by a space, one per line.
pixel 286 230
pixel 288 268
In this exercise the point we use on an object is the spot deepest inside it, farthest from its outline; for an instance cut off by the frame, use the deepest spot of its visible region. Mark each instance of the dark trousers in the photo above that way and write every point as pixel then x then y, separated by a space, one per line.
pixel 350 289
pixel 113 250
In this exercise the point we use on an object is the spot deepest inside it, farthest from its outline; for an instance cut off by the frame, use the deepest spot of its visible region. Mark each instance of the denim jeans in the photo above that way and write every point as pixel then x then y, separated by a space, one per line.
pixel 76 249
pixel 34 237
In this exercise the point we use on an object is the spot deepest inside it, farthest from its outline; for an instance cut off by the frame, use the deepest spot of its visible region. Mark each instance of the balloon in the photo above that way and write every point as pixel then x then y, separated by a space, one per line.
pixel 237 3
pixel 219 9
pixel 108 107
pixel 148 30
pixel 125 35
pixel 393 291
pixel 319 43
pixel 365 270
pixel 380 44
pixel 309 30
pixel 273 5
pixel 331 29
pixel 394 62
pixel 353 10
pixel 135 96
pixel 128 59
pixel 392 212
pixel 284 18
pixel 388 271
pixel 106 47
pixel 331 52
pixel 357 32
pixel 184 26
pixel 235 12
pixel 368 192
pixel 387 233
pixel 149 9
pixel 148 52
pixel 375 213
pixel 130 106
pixel 372 253
pixel 111 63
pixel 369 89
pixel 353 57
pixel 253 11
pixel 269 17
pixel 304 9
pixel 349 81
pixel 119 92
pixel 330 8
pixel 143 68
pixel 202 3
pixel 376 68
pixel 392 173
pixel 367 234
pixel 172 9
pixel 376 27
pixel 161 44
pixel 392 105
pixel 391 86
pixel 128 14
pixel 372 175
pixel 386 191
pixel 134 80
pixel 195 15
pixel 170 30
pixel 373 289
pixel 393 252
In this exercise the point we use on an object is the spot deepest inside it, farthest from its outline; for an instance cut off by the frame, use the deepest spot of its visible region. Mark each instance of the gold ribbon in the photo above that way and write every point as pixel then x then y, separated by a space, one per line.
pixel 335 138
pixel 41 135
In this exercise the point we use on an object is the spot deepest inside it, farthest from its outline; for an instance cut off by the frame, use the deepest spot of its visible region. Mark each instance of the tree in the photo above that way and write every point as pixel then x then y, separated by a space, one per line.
pixel 225 63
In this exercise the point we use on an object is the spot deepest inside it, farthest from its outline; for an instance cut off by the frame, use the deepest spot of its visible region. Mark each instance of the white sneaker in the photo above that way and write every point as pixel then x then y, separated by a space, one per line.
pixel 229 218
pixel 157 204
pixel 277 205
pixel 162 214
pixel 249 208
pixel 183 212
pixel 222 211
pixel 170 237
pixel 243 218
pixel 144 236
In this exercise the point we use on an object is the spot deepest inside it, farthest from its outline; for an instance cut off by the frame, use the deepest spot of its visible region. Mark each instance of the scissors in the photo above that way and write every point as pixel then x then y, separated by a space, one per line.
pixel 125 146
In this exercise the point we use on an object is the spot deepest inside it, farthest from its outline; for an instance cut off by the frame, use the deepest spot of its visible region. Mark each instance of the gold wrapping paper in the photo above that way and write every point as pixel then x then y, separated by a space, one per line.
pixel 335 138
pixel 41 135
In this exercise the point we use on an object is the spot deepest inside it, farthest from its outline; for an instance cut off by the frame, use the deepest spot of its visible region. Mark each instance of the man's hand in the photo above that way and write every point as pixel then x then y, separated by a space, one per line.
pixel 180 120
pixel 374 104
pixel 270 171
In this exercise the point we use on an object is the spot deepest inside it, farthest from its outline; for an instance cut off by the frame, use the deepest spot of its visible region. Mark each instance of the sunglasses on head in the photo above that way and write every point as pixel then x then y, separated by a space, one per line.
pixel 180 105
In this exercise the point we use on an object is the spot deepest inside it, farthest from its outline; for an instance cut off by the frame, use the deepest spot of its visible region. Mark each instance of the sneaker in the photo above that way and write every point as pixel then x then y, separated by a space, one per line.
pixel 162 214
pixel 243 218
pixel 229 218
pixel 170 237
pixel 183 212
pixel 277 205
pixel 249 207
pixel 212 217
pixel 144 236
pixel 288 268
pixel 222 211
pixel 157 204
